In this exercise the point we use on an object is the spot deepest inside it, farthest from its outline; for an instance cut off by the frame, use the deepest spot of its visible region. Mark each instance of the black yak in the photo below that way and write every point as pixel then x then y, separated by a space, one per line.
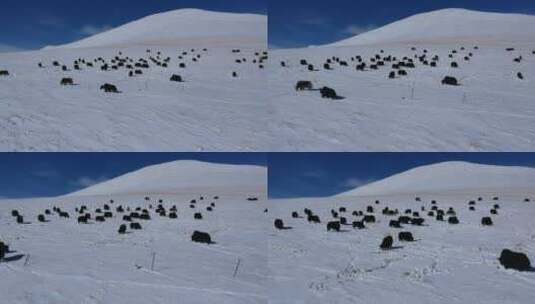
pixel 201 237
pixel 343 220
pixel 394 224
pixel 453 220
pixel 330 93
pixel 303 85
pixel 41 218
pixel 127 218
pixel 14 213
pixel 448 80
pixel 109 88
pixel 67 81
pixel 405 236
pixel 387 243
pixel 279 224
pixel 173 215
pixel 313 219
pixel 520 76
pixel 100 218
pixel 486 221
pixel 493 211
pixel 404 219
pixel 369 219
pixel 82 219
pixel 122 229
pixel 135 226
pixel 176 78
pixel 514 260
pixel 358 224
pixel 369 209
pixel 295 214
pixel 198 216
pixel 3 250
pixel 417 221
pixel 334 225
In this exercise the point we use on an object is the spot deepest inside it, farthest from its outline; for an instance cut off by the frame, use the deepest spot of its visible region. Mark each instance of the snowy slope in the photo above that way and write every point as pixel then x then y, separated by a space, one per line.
pixel 61 261
pixel 456 177
pixel 184 27
pixel 445 264
pixel 183 176
pixel 451 26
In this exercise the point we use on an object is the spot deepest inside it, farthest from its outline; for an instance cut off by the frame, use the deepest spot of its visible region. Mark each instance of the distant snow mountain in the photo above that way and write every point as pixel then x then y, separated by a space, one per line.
pixel 184 176
pixel 189 27
pixel 451 177
pixel 451 26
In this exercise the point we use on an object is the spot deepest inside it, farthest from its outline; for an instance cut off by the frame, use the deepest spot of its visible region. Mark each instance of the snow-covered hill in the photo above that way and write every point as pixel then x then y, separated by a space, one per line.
pixel 63 261
pixel 449 26
pixel 191 27
pixel 453 177
pixel 184 176
pixel 490 110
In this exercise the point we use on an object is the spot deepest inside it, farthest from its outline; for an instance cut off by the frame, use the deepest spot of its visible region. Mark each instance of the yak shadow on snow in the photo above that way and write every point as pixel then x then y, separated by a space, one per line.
pixel 12 258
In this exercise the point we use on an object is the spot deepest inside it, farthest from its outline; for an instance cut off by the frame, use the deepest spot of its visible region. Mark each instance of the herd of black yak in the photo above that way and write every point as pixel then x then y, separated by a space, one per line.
pixel 360 219
pixel 132 217
pixel 136 67
pixel 396 67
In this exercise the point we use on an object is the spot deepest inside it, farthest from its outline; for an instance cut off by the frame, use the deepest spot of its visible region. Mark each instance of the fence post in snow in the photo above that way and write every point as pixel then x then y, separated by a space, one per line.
pixel 152 264
pixel 236 268
pixel 27 259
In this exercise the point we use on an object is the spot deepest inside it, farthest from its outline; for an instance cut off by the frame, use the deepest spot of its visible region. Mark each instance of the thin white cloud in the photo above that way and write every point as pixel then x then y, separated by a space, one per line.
pixel 355 29
pixel 314 20
pixel 5 48
pixel 52 21
pixel 93 30
pixel 85 181
pixel 355 182
pixel 45 173
pixel 314 174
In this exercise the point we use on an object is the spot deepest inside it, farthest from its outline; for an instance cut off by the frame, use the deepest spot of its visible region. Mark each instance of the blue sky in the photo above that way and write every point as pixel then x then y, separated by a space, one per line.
pixel 32 24
pixel 299 23
pixel 52 174
pixel 324 174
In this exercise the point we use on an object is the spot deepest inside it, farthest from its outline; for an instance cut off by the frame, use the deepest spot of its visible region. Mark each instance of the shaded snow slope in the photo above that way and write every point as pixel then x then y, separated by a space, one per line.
pixel 451 26
pixel 183 27
pixel 184 176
